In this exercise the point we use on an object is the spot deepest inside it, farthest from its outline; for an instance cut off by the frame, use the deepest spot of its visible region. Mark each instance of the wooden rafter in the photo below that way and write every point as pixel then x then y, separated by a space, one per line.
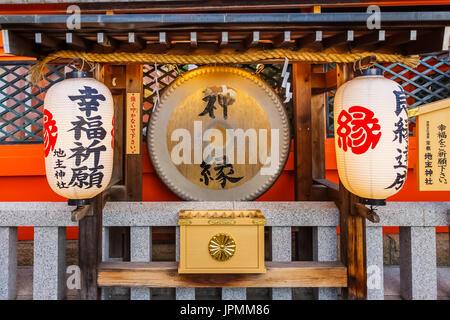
pixel 210 31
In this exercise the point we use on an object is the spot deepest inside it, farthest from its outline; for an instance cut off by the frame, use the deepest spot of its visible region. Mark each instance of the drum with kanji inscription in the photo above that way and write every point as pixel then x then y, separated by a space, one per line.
pixel 219 133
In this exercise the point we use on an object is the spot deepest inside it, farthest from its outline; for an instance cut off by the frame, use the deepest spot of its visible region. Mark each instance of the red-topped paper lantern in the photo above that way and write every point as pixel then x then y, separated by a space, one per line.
pixel 78 137
pixel 371 136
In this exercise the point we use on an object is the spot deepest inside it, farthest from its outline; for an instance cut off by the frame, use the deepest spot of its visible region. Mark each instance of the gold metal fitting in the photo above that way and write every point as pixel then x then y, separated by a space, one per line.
pixel 222 247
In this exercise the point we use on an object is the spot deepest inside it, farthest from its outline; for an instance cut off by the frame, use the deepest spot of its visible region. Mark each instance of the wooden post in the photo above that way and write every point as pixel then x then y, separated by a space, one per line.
pixel 302 126
pixel 133 162
pixel 115 79
pixel 352 227
pixel 318 133
pixel 301 75
pixel 127 172
pixel 89 249
pixel 90 240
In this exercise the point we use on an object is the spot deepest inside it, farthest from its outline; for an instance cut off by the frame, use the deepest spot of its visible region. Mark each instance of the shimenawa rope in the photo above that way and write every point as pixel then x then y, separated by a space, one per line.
pixel 224 58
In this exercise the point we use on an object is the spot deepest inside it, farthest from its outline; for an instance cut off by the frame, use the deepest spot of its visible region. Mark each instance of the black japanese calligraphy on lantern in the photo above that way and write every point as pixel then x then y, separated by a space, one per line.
pixel 400 102
pixel 89 126
pixel 84 177
pixel 81 153
pixel 59 164
pixel 61 185
pixel 401 130
pixel 401 159
pixel 60 153
pixel 92 127
pixel 59 174
pixel 59 167
pixel 88 100
pixel 401 135
pixel 399 181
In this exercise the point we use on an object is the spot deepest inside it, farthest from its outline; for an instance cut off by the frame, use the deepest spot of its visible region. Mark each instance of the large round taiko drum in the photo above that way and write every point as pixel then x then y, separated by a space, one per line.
pixel 219 133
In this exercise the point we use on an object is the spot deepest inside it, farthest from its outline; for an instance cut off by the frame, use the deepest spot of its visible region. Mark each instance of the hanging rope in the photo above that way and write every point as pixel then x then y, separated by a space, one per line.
pixel 244 57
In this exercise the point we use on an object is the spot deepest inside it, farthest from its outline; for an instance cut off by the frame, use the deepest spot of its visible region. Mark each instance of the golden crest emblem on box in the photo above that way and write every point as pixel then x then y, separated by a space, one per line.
pixel 221 241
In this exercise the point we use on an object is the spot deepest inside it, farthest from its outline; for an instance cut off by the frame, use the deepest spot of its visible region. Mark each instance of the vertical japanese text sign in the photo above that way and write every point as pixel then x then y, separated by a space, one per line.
pixel 434 146
pixel 133 123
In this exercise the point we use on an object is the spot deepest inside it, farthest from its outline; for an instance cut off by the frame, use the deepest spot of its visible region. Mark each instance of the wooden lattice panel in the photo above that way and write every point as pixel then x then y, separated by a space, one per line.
pixel 21 104
pixel 428 82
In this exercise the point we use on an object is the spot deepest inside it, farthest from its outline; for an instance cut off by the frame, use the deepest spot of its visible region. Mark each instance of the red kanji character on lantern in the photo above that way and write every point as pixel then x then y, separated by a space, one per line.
pixel 357 130
pixel 112 134
pixel 50 132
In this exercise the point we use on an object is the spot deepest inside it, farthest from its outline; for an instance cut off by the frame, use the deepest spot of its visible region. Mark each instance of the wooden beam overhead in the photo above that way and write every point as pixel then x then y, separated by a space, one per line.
pixel 135 41
pixel 15 44
pixel 223 39
pixel 401 38
pixel 229 6
pixel 313 41
pixel 253 40
pixel 164 39
pixel 75 41
pixel 338 39
pixel 446 38
pixel 435 41
pixel 140 21
pixel 46 41
pixel 369 39
pixel 279 274
pixel 193 39
pixel 283 40
pixel 106 41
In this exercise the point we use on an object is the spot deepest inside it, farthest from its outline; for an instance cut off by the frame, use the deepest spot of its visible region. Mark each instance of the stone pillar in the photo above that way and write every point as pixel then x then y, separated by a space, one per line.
pixel 8 263
pixel 374 253
pixel 325 249
pixel 106 292
pixel 141 251
pixel 234 293
pixel 281 251
pixel 49 271
pixel 105 244
pixel 418 274
pixel 182 293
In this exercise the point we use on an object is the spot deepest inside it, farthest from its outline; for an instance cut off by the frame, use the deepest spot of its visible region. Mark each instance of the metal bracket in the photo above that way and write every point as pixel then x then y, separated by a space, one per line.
pixel 367 213
pixel 364 63
pixel 81 212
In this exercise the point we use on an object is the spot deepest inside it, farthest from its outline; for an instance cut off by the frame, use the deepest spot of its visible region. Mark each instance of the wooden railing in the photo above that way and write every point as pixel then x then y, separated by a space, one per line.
pixel 282 274
pixel 417 223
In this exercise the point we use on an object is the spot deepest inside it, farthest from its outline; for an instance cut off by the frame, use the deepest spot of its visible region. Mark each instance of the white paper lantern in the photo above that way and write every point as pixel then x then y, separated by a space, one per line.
pixel 78 137
pixel 371 136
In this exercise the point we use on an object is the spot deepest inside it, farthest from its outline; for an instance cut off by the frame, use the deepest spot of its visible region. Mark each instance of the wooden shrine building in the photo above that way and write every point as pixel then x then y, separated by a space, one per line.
pixel 325 43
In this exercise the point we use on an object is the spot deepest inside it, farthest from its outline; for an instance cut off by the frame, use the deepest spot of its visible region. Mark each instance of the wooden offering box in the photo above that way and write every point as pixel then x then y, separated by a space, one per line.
pixel 221 241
